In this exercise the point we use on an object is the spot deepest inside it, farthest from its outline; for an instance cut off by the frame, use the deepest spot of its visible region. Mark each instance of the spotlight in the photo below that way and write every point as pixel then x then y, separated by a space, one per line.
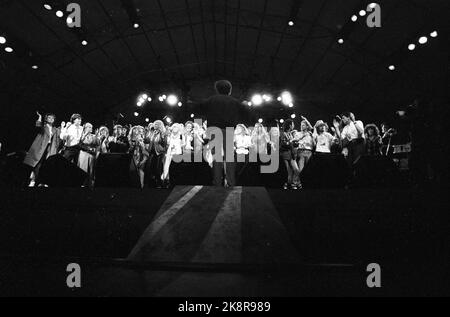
pixel 434 34
pixel 249 104
pixel 291 23
pixel 136 25
pixel 2 40
pixel 149 99
pixel 147 120
pixel 257 99
pixel 279 98
pixel 286 98
pixel 139 104
pixel 35 67
pixel 423 40
pixel 293 116
pixel 281 121
pixel 291 105
pixel 59 14
pixel 411 47
pixel 260 120
pixel 391 67
pixel 267 98
pixel 341 41
pixel 164 97
pixel 362 13
pixel 84 42
pixel 192 115
pixel 180 104
pixel 48 7
pixel 354 18
pixel 168 120
pixel 144 96
pixel 136 114
pixel 172 100
pixel 9 49
pixel 69 20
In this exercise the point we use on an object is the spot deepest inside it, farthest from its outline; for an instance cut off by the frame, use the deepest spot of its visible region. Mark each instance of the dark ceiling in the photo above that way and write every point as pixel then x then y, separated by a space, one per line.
pixel 184 45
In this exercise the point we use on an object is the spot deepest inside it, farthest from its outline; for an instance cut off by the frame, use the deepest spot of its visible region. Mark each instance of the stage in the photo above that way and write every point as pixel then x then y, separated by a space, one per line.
pixel 208 241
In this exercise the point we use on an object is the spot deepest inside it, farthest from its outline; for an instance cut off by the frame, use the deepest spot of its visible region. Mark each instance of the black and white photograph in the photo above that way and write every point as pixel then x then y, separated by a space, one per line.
pixel 224 155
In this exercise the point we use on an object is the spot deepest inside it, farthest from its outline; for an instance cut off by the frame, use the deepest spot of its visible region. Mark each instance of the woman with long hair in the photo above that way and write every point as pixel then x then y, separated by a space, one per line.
pixel 373 140
pixel 188 135
pixel 303 147
pixel 260 139
pixel 175 144
pixel 242 139
pixel 102 135
pixel 286 140
pixel 322 138
pixel 138 150
pixel 156 145
pixel 88 151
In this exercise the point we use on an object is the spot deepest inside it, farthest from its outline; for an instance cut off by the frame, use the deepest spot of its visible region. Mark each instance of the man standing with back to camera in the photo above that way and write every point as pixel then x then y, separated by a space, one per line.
pixel 222 111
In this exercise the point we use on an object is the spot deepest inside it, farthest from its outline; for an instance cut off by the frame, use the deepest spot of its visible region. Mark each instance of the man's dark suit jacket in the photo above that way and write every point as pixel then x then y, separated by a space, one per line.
pixel 224 111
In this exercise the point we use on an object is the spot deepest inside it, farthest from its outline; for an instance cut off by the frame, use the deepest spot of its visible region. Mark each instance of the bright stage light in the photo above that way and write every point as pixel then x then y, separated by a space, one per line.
pixel 423 40
pixel 286 98
pixel 354 18
pixel 180 104
pixel 2 40
pixel 48 7
pixel 279 98
pixel 136 25
pixel 139 104
pixel 267 98
pixel 257 99
pixel 84 42
pixel 149 99
pixel 291 23
pixel 168 120
pixel 411 47
pixel 434 34
pixel 160 98
pixel 69 20
pixel 260 120
pixel 35 66
pixel 281 121
pixel 291 105
pixel 362 13
pixel 147 120
pixel 192 115
pixel 59 14
pixel 144 96
pixel 293 116
pixel 172 100
pixel 9 49
pixel 136 114
pixel 164 97
pixel 249 104
pixel 391 67
pixel 341 41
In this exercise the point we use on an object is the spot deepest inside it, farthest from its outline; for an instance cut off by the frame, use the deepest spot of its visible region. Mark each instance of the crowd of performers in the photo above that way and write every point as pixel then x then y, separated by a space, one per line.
pixel 153 147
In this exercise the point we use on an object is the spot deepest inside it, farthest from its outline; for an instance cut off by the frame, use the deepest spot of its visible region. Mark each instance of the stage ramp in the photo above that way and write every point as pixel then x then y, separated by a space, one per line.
pixel 214 225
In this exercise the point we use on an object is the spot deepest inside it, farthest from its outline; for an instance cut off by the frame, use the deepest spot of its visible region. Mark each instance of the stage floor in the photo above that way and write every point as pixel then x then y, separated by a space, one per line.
pixel 208 241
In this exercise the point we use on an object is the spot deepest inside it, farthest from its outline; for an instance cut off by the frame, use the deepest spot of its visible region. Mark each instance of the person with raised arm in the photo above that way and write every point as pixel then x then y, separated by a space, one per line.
pixel 43 146
pixel 71 135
